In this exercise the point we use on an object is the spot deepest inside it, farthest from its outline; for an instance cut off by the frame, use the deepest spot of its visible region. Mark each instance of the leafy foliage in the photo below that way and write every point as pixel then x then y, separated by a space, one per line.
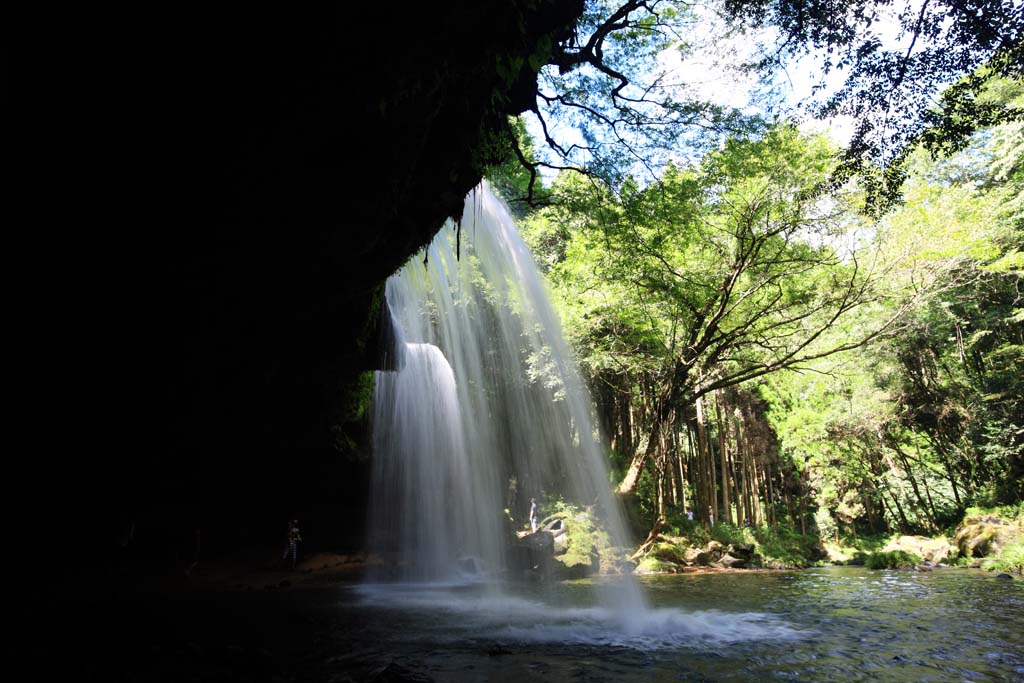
pixel 758 347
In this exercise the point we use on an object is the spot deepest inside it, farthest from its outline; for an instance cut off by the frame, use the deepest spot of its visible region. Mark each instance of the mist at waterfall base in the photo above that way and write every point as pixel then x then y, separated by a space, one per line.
pixel 484 411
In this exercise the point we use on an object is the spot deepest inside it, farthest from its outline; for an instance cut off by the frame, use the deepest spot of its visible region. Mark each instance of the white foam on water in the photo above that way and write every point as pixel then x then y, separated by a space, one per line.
pixel 461 612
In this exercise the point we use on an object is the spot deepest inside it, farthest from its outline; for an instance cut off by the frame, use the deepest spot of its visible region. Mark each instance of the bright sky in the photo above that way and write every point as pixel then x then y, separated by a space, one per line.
pixel 710 73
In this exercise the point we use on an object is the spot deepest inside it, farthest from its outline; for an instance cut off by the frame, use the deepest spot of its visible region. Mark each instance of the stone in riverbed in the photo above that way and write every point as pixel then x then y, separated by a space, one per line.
pixel 669 552
pixel 741 550
pixel 530 557
pixel 695 556
pixel 730 562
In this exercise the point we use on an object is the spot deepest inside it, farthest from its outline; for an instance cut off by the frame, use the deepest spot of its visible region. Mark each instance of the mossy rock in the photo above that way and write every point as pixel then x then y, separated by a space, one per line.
pixel 981 537
pixel 1011 559
pixel 931 549
pixel 669 552
pixel 652 565
pixel 576 565
pixel 896 559
pixel 585 545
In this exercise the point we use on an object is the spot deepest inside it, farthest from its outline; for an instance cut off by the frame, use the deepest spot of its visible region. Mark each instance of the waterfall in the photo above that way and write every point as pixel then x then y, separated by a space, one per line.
pixel 486 408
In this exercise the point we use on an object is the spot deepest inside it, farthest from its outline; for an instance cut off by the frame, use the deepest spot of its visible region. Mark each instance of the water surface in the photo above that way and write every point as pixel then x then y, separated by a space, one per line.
pixel 834 624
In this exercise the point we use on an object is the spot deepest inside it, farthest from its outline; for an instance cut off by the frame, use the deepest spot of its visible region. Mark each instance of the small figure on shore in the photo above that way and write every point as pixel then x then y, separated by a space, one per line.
pixel 533 515
pixel 292 545
pixel 689 515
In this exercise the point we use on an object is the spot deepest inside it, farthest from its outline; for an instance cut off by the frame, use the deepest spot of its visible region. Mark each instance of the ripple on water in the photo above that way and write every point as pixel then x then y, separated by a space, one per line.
pixel 843 624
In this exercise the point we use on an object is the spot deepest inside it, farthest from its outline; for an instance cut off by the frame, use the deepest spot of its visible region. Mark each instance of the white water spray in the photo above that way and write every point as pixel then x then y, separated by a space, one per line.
pixel 486 410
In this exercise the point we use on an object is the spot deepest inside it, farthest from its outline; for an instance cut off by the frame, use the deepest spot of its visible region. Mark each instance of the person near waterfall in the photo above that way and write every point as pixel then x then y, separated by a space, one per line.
pixel 533 515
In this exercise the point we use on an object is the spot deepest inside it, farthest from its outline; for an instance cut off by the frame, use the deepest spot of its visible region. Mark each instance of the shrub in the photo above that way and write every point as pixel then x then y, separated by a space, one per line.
pixel 892 560
pixel 1010 560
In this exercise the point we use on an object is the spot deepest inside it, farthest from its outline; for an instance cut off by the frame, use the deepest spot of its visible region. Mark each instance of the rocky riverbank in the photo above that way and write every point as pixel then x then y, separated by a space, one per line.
pixel 988 539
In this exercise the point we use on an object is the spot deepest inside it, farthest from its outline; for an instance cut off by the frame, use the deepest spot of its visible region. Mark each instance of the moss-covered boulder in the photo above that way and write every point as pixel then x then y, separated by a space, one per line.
pixel 652 565
pixel 669 552
pixel 578 543
pixel 896 559
pixel 983 535
pixel 933 550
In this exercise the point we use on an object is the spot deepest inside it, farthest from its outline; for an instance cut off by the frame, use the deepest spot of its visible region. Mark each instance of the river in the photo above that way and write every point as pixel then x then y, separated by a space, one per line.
pixel 832 624
pixel 841 624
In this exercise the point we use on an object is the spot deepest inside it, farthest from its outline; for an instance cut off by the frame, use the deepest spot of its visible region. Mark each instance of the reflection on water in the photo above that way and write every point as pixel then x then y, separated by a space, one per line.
pixel 837 624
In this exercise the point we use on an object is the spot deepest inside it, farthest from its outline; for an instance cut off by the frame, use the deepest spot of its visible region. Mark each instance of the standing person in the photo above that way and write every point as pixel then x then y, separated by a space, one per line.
pixel 292 545
pixel 533 515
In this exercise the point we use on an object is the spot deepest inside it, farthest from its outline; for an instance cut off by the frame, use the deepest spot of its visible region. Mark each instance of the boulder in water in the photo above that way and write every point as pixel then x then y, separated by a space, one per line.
pixel 669 552
pixel 696 556
pixel 933 550
pixel 576 567
pixel 530 557
pixel 741 549
pixel 730 562
pixel 652 565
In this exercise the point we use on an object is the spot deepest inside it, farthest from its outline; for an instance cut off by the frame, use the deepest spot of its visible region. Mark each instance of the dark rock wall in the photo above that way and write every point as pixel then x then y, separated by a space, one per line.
pixel 243 181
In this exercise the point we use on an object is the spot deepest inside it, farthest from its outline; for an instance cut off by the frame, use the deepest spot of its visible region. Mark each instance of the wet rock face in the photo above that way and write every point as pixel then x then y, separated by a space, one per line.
pixel 267 170
pixel 531 558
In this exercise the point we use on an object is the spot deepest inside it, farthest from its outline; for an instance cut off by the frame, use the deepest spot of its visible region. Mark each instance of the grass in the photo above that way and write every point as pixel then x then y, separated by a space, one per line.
pixel 1009 513
pixel 1011 559
pixel 653 564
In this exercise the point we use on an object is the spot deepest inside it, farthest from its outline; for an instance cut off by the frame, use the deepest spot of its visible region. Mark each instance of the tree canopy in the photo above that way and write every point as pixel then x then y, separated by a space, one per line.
pixel 759 347
pixel 912 73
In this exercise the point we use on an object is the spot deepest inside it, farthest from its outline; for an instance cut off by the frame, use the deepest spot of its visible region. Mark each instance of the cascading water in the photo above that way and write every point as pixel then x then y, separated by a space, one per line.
pixel 485 410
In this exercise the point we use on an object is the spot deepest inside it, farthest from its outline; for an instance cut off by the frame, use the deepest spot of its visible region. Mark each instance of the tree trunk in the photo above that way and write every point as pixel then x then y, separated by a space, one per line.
pixel 755 490
pixel 770 505
pixel 917 493
pixel 723 454
pixel 904 524
pixel 707 513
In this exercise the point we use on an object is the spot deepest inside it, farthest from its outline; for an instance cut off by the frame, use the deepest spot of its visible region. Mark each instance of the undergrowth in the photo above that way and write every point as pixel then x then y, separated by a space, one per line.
pixel 895 559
